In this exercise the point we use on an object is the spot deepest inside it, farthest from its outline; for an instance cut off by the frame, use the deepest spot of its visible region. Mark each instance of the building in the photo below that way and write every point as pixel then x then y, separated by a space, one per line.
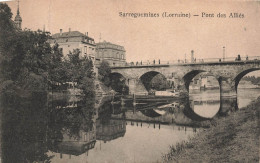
pixel 204 82
pixel 68 41
pixel 18 19
pixel 112 53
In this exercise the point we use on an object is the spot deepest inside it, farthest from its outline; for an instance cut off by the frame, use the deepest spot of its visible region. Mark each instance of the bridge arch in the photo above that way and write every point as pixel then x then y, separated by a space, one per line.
pixel 242 74
pixel 187 78
pixel 119 82
pixel 147 77
pixel 226 105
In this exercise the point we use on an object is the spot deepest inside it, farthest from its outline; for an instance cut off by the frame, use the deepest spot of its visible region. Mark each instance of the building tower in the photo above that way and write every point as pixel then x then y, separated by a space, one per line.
pixel 18 19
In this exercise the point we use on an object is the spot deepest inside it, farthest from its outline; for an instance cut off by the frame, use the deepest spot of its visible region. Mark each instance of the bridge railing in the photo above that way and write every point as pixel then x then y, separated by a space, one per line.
pixel 189 61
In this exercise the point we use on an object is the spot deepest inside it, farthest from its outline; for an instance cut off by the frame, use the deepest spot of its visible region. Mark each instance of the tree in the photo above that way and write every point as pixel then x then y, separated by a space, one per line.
pixel 24 54
pixel 104 72
pixel 57 69
pixel 159 82
pixel 80 71
pixel 87 77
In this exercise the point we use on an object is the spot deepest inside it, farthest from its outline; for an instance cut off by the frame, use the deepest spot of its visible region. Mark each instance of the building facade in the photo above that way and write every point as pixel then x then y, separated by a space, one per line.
pixel 112 53
pixel 68 41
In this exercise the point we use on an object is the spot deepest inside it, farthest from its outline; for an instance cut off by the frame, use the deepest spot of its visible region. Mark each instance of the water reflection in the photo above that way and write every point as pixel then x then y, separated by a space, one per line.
pixel 72 127
pixel 93 130
pixel 108 128
pixel 205 103
pixel 24 129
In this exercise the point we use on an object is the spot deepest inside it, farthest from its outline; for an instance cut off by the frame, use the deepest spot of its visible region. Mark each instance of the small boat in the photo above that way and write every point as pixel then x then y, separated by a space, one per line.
pixel 175 104
pixel 166 93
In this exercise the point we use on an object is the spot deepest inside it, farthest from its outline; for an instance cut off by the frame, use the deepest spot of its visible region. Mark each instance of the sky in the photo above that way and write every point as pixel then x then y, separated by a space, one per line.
pixel 149 38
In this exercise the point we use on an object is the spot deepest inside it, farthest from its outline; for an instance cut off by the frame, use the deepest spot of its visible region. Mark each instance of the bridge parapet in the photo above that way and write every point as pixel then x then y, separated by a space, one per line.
pixel 205 61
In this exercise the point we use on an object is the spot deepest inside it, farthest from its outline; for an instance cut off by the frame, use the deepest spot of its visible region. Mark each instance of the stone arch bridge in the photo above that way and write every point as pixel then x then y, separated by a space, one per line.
pixel 227 73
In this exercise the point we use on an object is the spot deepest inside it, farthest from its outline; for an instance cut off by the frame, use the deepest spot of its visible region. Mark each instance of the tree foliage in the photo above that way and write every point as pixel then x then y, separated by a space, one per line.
pixel 104 72
pixel 159 82
pixel 80 70
pixel 253 79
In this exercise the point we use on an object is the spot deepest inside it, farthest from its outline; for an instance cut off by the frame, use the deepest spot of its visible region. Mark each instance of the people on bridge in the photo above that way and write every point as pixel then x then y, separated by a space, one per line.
pixel 153 61
pixel 247 57
pixel 238 57
pixel 159 61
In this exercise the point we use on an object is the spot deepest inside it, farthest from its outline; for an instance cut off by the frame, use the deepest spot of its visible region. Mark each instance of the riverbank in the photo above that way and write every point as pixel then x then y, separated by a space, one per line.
pixel 234 138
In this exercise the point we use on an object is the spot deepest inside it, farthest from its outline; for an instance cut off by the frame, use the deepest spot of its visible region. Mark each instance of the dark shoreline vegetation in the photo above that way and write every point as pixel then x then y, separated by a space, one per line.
pixel 234 138
pixel 29 63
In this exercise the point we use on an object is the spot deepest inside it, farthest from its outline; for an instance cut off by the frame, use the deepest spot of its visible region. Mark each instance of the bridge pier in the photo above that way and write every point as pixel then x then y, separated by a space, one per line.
pixel 136 87
pixel 227 104
pixel 181 86
pixel 131 85
pixel 227 87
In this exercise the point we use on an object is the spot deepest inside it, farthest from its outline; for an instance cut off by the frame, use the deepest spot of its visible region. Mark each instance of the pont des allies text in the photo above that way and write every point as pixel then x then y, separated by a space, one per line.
pixel 180 15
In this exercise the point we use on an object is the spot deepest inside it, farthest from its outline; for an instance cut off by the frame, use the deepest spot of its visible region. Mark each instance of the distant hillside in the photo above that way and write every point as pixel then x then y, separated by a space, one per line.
pixel 252 79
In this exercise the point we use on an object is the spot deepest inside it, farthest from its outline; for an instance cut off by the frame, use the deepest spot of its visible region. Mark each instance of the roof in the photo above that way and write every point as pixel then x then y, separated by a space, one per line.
pixel 110 45
pixel 70 34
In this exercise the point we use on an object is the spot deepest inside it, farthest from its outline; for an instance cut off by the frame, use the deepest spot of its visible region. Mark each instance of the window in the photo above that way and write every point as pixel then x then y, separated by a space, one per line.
pixel 85 49
pixel 122 56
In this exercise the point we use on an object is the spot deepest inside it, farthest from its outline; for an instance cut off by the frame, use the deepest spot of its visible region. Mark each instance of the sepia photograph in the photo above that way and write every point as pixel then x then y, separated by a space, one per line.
pixel 129 81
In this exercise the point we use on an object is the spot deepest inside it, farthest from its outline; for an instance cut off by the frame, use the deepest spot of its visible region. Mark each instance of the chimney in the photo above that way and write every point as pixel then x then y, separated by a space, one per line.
pixel 86 33
pixel 60 32
pixel 69 30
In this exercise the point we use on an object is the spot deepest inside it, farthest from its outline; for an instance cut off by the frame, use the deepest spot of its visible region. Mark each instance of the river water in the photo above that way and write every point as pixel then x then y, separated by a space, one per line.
pixel 111 129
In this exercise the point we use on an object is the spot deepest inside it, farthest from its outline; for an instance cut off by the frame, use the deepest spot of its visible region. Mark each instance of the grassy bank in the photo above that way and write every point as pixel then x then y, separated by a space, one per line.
pixel 234 138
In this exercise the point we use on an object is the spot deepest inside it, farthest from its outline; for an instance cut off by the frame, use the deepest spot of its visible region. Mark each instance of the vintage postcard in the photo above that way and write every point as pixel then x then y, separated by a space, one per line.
pixel 129 81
